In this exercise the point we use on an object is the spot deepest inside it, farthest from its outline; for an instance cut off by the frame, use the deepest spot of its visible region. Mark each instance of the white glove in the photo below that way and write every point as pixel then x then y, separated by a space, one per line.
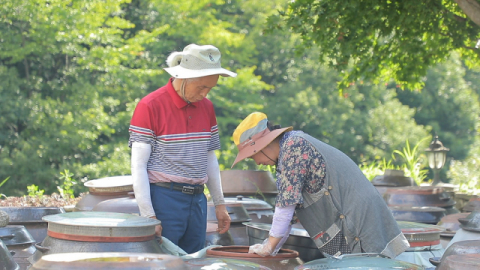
pixel 264 249
pixel 268 247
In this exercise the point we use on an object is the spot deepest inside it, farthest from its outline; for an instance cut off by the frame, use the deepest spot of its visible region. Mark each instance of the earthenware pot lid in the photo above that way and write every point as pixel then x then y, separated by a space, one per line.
pixel 471 222
pixel 101 227
pixel 112 184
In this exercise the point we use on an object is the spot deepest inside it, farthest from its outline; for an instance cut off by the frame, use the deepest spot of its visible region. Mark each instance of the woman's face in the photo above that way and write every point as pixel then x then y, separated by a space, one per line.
pixel 265 157
pixel 198 88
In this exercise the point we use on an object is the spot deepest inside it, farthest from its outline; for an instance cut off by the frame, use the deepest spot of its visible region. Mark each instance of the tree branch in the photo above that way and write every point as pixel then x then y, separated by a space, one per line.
pixel 471 9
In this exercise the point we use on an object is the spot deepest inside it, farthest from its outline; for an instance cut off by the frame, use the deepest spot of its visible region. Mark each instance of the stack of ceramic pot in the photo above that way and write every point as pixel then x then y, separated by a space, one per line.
pixel 419 203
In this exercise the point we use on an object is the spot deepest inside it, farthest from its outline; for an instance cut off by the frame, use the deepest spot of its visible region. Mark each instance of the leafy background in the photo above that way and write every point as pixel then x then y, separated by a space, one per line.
pixel 71 74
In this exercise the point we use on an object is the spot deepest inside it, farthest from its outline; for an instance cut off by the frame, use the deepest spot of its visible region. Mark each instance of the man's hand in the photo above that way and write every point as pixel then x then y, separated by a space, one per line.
pixel 223 218
pixel 158 231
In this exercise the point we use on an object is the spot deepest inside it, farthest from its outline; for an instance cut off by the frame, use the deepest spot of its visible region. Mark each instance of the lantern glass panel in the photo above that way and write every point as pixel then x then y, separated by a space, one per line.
pixel 436 160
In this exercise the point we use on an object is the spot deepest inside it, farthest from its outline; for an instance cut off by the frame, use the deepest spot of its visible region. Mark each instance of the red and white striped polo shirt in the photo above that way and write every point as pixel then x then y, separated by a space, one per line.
pixel 180 134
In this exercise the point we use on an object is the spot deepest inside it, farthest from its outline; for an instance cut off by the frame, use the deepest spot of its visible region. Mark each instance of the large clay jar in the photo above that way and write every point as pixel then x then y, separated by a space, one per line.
pixel 127 205
pixel 104 189
pixel 448 261
pixel 98 232
pixel 6 259
pixel 284 260
pixel 19 241
pixel 109 260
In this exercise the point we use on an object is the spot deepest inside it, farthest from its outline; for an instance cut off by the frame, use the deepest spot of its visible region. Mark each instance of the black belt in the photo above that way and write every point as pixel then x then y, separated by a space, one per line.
pixel 180 187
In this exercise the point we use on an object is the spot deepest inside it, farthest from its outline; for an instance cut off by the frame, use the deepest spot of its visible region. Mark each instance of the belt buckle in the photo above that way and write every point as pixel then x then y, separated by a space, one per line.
pixel 188 190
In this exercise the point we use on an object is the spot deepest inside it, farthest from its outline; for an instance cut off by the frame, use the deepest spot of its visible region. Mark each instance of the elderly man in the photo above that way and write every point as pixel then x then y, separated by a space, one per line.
pixel 173 136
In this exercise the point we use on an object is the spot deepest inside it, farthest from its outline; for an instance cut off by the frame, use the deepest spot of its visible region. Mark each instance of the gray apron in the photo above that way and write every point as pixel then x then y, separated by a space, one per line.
pixel 349 203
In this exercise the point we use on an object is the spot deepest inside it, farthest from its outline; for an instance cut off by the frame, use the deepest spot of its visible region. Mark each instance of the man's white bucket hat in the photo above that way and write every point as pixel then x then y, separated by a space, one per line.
pixel 196 61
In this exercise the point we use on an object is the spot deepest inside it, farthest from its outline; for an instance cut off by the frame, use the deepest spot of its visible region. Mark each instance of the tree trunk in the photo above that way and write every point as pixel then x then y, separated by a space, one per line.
pixel 471 9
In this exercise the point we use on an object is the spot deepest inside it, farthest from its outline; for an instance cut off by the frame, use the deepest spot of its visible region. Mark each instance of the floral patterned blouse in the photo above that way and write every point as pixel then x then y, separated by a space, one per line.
pixel 300 166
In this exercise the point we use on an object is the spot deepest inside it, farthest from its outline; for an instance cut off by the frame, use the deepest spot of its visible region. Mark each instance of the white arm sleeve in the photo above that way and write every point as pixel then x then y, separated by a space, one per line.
pixel 214 183
pixel 281 220
pixel 141 185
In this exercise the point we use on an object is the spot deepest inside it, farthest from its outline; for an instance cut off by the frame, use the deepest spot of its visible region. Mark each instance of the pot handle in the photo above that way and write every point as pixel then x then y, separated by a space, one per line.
pixel 444 197
pixel 41 248
pixel 463 221
pixel 8 236
pixel 435 260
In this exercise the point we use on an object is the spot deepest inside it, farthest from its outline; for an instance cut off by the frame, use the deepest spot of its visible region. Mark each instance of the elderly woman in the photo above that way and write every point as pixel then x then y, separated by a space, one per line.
pixel 337 205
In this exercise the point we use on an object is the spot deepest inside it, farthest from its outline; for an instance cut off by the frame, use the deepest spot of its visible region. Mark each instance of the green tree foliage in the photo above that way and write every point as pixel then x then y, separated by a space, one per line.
pixel 381 40
pixel 71 74
pixel 67 77
pixel 449 105
pixel 465 173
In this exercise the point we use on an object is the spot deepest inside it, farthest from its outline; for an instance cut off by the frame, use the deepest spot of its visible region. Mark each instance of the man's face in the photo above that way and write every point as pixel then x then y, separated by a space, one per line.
pixel 197 89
